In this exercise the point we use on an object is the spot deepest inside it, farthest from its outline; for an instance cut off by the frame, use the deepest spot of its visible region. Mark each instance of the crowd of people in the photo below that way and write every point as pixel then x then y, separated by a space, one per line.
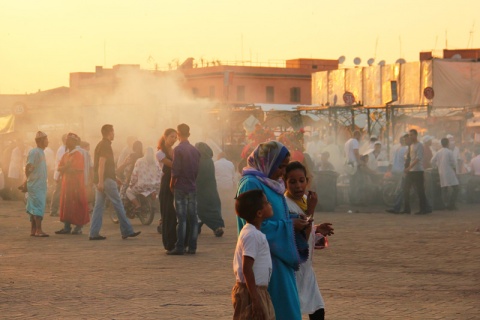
pixel 274 202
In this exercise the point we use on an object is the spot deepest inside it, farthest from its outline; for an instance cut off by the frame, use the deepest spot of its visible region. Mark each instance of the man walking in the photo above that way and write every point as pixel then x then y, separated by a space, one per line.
pixel 36 172
pixel 444 160
pixel 186 159
pixel 414 174
pixel 105 180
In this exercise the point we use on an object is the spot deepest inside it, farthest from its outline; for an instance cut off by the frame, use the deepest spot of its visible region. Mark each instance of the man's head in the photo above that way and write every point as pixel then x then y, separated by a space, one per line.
pixel 373 138
pixel 183 131
pixel 377 146
pixel 427 140
pixel 108 132
pixel 413 134
pixel 41 140
pixel 451 139
pixel 64 138
pixel 445 142
pixel 357 135
pixel 72 141
pixel 253 204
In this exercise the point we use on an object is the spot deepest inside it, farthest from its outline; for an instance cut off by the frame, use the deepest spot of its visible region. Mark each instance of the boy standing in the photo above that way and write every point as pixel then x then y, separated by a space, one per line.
pixel 186 160
pixel 252 263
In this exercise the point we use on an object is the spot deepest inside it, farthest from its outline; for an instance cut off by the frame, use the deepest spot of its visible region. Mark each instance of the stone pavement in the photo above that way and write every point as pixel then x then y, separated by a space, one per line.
pixel 378 266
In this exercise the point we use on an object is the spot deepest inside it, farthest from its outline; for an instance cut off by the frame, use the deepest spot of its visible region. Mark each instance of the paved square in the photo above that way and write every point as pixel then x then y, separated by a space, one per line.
pixel 378 266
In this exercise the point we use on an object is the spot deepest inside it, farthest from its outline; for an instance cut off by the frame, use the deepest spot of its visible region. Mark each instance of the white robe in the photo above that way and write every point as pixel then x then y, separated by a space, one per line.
pixel 445 161
pixel 310 297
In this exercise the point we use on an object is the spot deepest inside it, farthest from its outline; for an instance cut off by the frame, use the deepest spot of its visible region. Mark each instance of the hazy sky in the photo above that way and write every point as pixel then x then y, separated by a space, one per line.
pixel 42 41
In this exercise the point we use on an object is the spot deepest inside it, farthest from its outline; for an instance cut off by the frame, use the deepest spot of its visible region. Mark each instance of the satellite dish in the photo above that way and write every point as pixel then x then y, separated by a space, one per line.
pixel 400 61
pixel 457 56
pixel 370 61
pixel 381 63
pixel 341 60
pixel 357 61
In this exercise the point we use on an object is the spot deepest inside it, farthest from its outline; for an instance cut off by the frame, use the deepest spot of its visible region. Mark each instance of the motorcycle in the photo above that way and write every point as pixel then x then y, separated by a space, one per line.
pixel 145 213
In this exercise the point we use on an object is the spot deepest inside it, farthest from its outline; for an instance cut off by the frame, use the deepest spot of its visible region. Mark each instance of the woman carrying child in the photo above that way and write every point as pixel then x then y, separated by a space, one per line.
pixel 265 168
pixel 311 301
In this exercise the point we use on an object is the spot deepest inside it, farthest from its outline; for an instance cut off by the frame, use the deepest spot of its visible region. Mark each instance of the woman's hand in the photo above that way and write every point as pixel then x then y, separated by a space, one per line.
pixel 300 224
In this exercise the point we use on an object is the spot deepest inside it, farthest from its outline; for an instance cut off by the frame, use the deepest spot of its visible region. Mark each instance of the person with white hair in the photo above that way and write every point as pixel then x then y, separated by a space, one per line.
pixel 145 178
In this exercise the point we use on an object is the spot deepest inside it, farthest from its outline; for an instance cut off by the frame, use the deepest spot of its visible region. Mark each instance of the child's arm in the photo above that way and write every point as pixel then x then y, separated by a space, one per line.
pixel 247 268
pixel 312 200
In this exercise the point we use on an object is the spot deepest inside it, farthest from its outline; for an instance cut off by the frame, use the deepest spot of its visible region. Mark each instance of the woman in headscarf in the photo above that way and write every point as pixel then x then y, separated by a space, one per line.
pixel 168 222
pixel 265 168
pixel 145 178
pixel 209 207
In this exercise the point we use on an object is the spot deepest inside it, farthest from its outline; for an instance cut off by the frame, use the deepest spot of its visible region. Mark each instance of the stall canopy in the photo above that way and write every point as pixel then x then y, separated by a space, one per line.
pixel 7 124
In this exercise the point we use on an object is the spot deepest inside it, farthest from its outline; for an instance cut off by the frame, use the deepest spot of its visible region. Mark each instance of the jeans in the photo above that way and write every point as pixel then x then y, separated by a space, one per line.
pixel 415 179
pixel 186 208
pixel 110 191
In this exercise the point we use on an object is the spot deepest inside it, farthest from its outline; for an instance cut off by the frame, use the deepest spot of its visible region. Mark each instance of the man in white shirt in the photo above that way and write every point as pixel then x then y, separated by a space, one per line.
pixel 375 156
pixel 414 174
pixel 474 181
pixel 353 161
pixel 55 203
pixel 445 162
pixel 456 153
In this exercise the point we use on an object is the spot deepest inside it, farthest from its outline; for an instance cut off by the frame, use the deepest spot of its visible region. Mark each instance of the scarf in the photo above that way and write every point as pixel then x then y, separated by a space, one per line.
pixel 302 203
pixel 263 161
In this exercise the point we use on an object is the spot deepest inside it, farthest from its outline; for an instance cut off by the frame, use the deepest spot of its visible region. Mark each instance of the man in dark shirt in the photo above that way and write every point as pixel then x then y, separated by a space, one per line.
pixel 186 159
pixel 105 180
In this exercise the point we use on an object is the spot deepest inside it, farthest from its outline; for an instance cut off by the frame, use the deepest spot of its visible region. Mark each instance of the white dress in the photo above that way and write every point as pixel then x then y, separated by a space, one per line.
pixel 308 291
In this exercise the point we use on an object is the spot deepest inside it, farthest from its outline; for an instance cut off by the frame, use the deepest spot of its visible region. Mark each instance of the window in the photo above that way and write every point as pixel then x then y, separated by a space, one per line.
pixel 241 93
pixel 270 93
pixel 212 92
pixel 295 94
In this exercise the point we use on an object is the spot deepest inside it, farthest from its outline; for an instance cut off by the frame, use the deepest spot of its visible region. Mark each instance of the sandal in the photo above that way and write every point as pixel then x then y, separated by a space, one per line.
pixel 42 235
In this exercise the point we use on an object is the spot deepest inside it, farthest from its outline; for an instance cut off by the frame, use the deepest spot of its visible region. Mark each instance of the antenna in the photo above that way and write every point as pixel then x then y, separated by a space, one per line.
pixel 376 47
pixel 470 38
pixel 341 59
pixel 371 61
pixel 357 61
pixel 446 39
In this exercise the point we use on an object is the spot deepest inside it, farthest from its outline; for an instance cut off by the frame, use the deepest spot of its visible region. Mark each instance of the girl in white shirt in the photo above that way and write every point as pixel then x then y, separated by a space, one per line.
pixel 311 301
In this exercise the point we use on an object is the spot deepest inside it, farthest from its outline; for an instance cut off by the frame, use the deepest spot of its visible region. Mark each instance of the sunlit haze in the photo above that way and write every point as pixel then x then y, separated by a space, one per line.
pixel 43 41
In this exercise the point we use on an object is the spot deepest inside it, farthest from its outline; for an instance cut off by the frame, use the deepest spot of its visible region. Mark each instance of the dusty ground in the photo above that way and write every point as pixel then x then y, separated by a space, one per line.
pixel 378 266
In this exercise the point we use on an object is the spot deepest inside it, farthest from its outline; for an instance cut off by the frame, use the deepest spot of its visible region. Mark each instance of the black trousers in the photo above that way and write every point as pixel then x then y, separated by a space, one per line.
pixel 416 180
